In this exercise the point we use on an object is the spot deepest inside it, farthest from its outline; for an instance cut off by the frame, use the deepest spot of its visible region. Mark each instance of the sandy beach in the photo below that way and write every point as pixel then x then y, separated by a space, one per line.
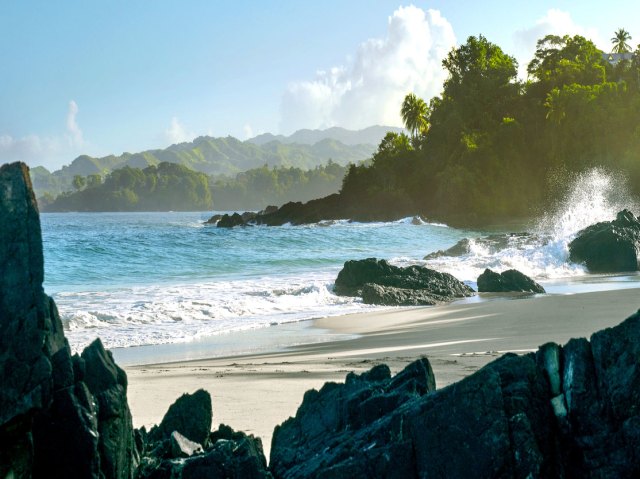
pixel 254 392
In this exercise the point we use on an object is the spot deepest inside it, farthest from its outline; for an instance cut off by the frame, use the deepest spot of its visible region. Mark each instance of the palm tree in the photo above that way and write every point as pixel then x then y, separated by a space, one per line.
pixel 414 113
pixel 619 41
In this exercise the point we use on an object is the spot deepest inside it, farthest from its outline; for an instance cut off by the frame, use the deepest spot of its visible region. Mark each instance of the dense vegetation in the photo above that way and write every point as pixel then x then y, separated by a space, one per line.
pixel 175 187
pixel 259 187
pixel 166 187
pixel 492 147
pixel 228 156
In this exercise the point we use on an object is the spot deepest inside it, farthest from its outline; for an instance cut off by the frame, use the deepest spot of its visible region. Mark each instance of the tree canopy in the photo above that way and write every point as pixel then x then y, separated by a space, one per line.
pixel 497 145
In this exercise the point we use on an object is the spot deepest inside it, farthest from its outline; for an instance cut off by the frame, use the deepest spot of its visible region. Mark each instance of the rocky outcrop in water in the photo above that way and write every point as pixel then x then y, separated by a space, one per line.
pixel 492 243
pixel 609 246
pixel 332 207
pixel 564 411
pixel 511 280
pixel 379 282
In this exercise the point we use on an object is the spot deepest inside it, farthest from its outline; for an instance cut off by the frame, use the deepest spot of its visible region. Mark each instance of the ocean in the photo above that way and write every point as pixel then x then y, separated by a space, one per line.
pixel 137 279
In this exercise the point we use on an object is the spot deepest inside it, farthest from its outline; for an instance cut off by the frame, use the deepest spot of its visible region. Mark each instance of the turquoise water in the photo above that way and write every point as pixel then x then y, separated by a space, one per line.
pixel 151 278
pixel 164 278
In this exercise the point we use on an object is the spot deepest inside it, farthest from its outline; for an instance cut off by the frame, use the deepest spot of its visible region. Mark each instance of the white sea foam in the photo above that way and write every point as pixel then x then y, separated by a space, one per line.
pixel 178 313
pixel 593 196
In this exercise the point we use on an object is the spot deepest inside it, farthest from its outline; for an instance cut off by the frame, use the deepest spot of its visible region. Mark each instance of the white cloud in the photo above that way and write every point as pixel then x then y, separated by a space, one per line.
pixel 43 150
pixel 248 131
pixel 177 133
pixel 74 131
pixel 555 22
pixel 370 88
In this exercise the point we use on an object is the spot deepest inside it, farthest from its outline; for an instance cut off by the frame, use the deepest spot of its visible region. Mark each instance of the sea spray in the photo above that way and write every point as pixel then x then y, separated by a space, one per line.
pixel 592 196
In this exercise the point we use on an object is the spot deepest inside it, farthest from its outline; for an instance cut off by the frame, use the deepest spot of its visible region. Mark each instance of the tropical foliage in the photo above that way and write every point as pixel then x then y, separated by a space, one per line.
pixel 496 145
pixel 620 40
pixel 260 187
pixel 166 187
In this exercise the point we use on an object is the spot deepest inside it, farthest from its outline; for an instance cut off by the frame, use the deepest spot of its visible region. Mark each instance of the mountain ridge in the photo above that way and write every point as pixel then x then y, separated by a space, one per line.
pixel 226 156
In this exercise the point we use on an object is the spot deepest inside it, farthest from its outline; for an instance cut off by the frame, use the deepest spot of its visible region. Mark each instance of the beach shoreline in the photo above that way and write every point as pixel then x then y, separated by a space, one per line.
pixel 256 391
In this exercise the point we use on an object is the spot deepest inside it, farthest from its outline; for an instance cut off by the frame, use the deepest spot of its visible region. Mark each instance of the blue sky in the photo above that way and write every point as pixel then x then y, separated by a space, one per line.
pixel 105 77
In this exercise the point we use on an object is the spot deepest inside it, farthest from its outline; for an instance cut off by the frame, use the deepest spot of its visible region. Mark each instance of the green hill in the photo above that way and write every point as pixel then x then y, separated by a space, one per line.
pixel 218 157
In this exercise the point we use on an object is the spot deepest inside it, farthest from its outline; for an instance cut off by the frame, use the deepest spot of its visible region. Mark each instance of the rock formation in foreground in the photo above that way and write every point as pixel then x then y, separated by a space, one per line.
pixel 378 282
pixel 64 416
pixel 609 246
pixel 60 415
pixel 511 280
pixel 568 411
pixel 183 446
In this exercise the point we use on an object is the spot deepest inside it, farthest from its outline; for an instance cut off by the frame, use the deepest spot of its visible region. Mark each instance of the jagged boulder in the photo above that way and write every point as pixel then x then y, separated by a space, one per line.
pixel 229 221
pixel 108 385
pixel 609 246
pixel 396 283
pixel 326 429
pixel 228 454
pixel 571 411
pixel 511 280
pixel 191 415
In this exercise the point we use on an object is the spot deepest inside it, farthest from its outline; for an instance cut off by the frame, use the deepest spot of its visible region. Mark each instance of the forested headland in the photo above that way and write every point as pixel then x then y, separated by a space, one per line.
pixel 492 147
pixel 169 186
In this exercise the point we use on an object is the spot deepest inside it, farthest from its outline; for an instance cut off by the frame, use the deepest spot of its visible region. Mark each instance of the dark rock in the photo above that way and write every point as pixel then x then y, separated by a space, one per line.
pixel 56 412
pixel 609 246
pixel 390 296
pixel 461 248
pixel 322 436
pixel 429 285
pixel 384 206
pixel 191 415
pixel 561 412
pixel 493 243
pixel 510 280
pixel 268 210
pixel 232 455
pixel 236 219
pixel 31 332
pixel 214 219
pixel 229 221
pixel 108 384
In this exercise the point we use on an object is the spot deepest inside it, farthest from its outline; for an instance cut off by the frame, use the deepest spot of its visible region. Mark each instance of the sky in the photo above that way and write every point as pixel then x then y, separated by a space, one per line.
pixel 105 77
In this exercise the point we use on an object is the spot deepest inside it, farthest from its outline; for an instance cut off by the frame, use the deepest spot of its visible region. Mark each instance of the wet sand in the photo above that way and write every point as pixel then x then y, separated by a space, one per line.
pixel 254 392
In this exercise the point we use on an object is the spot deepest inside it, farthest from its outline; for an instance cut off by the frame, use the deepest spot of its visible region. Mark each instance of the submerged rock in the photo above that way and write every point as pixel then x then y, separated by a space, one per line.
pixel 381 283
pixel 571 411
pixel 510 280
pixel 609 246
